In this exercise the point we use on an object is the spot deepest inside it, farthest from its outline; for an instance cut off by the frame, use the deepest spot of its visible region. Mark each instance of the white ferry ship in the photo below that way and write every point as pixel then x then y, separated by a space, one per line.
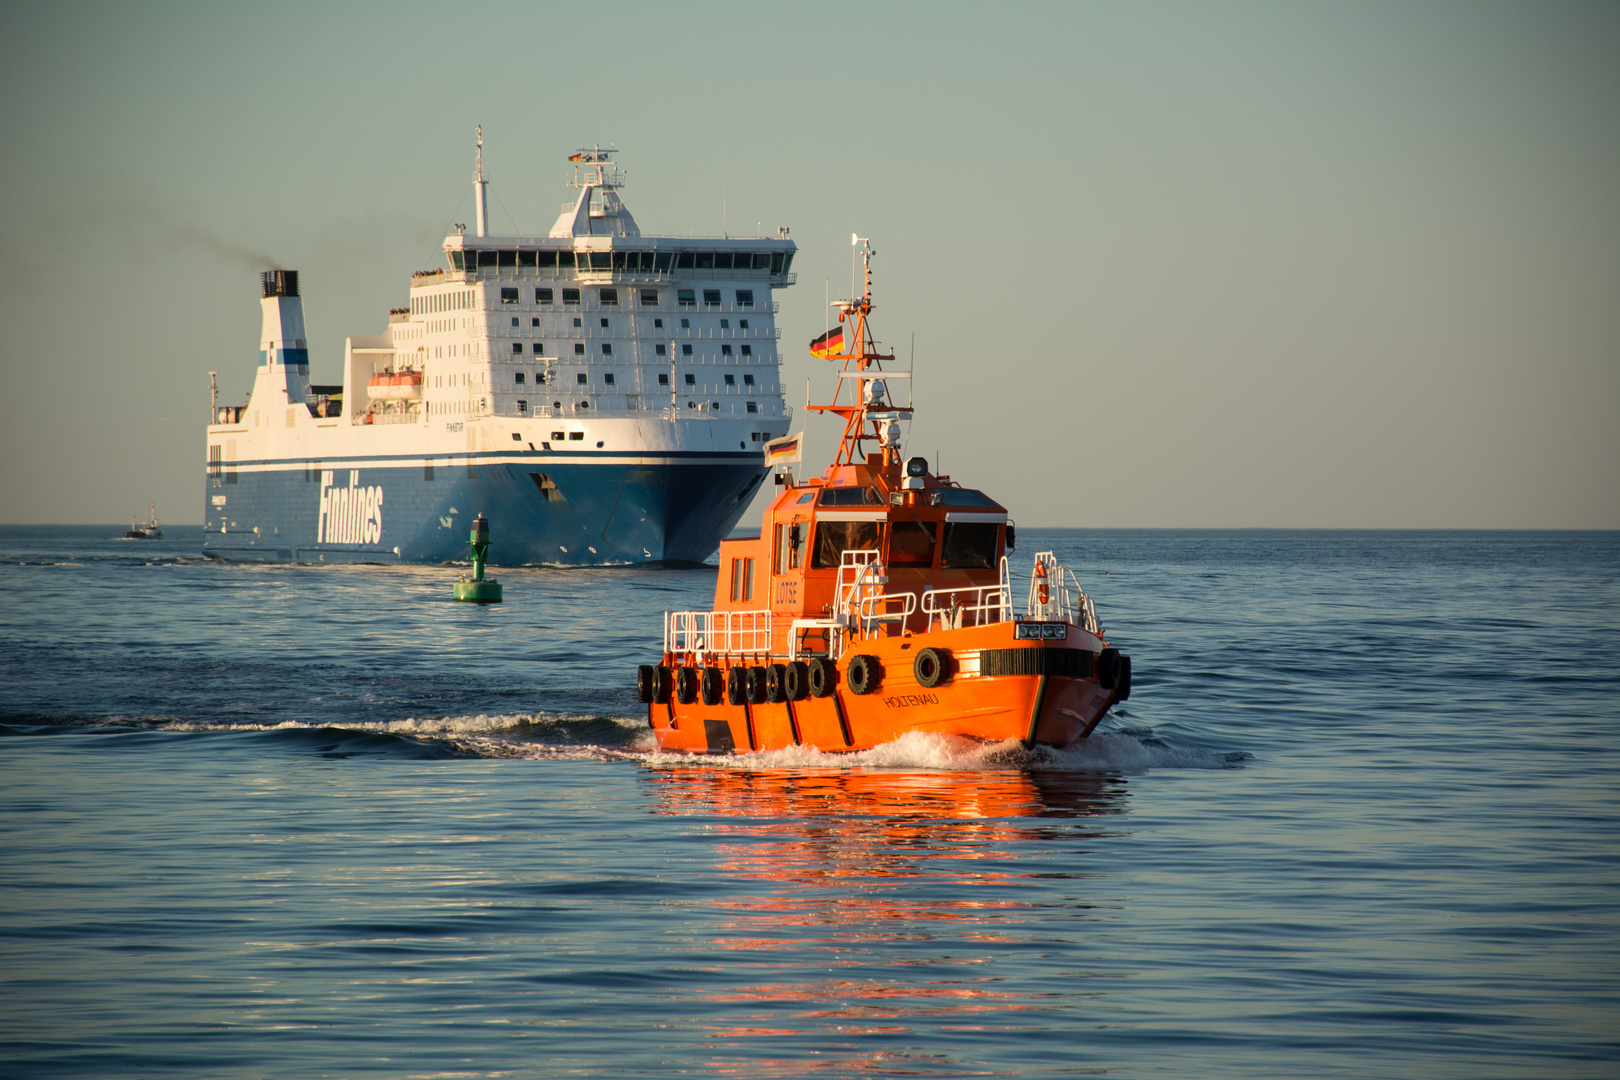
pixel 600 395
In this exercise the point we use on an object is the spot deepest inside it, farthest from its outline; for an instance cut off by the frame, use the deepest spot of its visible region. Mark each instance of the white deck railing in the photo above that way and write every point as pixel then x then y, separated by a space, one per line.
pixel 717 631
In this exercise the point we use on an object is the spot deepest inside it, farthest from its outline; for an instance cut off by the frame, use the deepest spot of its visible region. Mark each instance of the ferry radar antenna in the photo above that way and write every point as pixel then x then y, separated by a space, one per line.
pixel 600 169
pixel 481 186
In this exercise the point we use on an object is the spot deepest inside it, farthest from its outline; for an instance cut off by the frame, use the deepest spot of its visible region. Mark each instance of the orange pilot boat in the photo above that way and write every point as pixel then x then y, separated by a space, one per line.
pixel 876 601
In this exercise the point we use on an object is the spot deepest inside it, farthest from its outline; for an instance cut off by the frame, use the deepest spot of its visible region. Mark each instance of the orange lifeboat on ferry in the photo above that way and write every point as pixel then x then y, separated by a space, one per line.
pixel 876 601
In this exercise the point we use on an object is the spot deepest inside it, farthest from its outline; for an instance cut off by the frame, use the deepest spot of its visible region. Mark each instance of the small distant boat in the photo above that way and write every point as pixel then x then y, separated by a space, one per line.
pixel 149 531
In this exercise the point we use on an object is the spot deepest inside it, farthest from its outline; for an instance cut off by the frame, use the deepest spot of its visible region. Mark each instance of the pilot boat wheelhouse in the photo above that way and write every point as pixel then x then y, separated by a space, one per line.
pixel 877 600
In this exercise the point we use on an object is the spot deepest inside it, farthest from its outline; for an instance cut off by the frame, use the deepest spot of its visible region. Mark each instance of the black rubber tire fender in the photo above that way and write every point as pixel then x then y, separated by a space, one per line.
pixel 863 673
pixel 754 683
pixel 797 683
pixel 646 683
pixel 713 684
pixel 736 685
pixel 1108 668
pixel 932 667
pixel 686 685
pixel 1122 684
pixel 662 687
pixel 823 677
pixel 776 683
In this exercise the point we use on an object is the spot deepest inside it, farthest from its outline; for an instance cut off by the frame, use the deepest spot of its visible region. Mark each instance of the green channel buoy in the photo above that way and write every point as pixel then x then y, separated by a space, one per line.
pixel 479 589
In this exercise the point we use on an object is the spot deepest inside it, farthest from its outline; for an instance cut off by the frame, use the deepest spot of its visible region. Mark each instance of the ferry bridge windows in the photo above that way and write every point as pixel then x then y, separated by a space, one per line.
pixel 778 262
pixel 661 349
pixel 686 297
pixel 705 260
pixel 547 260
pixel 649 297
pixel 526 259
pixel 509 296
pixel 570 296
pixel 506 259
pixel 969 545
pixel 579 348
pixel 608 296
pixel 745 297
pixel 911 543
pixel 599 260
pixel 833 538
pixel 711 297
pixel 542 296
pixel 691 379
pixel 686 260
pixel 488 259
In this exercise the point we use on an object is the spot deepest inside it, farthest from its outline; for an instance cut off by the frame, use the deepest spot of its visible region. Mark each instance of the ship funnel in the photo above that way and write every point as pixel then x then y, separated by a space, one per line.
pixel 283 352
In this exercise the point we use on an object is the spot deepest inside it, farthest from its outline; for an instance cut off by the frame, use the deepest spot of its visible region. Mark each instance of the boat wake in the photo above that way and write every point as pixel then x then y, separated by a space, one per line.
pixel 562 737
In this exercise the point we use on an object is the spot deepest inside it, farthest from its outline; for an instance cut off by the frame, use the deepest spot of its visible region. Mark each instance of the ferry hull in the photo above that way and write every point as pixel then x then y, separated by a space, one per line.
pixel 541 511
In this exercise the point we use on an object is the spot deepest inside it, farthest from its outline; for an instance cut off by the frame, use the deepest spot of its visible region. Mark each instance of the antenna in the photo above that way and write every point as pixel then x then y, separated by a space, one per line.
pixel 481 186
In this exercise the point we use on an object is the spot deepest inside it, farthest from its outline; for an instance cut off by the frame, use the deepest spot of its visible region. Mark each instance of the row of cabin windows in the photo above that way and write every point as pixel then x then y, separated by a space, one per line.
pixel 608 378
pixel 659 349
pixel 777 262
pixel 658 324
pixel 965 545
pixel 648 297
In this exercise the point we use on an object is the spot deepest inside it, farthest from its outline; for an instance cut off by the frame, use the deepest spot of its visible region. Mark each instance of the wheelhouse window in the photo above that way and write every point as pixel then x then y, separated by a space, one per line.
pixel 969 545
pixel 851 496
pixel 911 543
pixel 833 538
pixel 790 541
pixel 742 580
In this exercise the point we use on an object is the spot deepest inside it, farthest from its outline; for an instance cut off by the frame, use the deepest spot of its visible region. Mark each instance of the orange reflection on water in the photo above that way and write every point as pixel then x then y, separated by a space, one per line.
pixel 875 904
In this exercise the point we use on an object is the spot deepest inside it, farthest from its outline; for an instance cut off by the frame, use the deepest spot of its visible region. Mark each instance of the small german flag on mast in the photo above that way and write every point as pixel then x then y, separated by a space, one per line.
pixel 786 450
pixel 829 344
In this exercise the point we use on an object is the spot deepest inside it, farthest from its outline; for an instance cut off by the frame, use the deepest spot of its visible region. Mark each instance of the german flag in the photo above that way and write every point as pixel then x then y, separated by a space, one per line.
pixel 829 344
pixel 576 157
pixel 784 451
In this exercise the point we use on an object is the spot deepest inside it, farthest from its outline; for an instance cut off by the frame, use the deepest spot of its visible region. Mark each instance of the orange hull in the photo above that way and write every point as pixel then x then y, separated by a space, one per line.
pixel 1053 708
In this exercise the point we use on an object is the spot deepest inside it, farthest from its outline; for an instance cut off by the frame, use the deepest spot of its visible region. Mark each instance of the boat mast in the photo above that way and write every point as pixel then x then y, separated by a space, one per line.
pixel 864 357
pixel 481 186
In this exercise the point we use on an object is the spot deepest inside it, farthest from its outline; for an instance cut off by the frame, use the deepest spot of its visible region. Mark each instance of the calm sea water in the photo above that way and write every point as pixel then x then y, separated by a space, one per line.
pixel 1360 818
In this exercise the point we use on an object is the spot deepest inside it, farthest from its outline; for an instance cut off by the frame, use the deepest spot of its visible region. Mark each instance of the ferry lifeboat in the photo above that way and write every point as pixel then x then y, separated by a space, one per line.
pixel 403 385
pixel 877 600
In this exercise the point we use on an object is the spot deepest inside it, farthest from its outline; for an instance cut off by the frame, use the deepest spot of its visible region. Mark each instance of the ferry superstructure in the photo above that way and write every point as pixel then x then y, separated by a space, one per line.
pixel 601 396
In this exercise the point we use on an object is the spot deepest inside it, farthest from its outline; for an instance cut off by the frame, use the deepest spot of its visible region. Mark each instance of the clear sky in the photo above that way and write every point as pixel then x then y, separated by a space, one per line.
pixel 1205 265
